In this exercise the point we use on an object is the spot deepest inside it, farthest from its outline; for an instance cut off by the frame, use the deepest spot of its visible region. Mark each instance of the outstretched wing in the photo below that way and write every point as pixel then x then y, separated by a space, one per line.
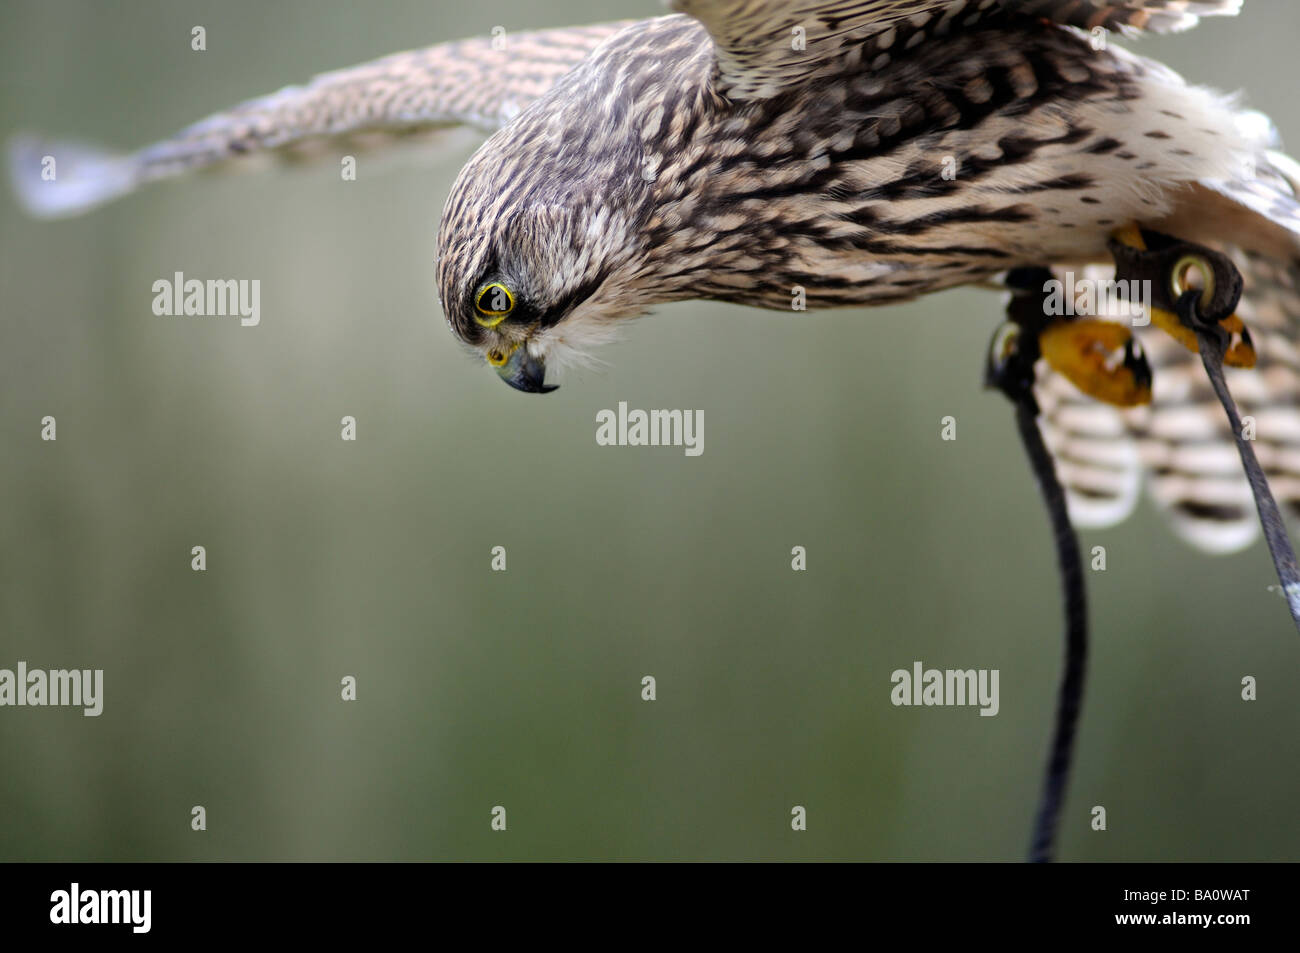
pixel 482 82
pixel 764 46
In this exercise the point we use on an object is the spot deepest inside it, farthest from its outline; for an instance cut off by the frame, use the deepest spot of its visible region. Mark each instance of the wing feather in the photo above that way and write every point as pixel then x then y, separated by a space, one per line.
pixel 482 83
pixel 766 46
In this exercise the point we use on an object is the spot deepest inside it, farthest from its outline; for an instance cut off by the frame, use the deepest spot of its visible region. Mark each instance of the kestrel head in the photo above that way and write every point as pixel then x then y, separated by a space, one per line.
pixel 542 241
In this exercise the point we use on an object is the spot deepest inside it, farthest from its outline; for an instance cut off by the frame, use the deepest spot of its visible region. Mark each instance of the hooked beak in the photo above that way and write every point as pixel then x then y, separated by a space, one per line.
pixel 525 372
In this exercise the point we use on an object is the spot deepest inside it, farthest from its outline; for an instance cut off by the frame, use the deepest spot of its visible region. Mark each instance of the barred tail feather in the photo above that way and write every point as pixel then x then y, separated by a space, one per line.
pixel 1096 457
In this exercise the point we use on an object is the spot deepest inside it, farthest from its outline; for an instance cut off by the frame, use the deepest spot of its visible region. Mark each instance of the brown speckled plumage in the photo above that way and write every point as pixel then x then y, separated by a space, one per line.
pixel 855 151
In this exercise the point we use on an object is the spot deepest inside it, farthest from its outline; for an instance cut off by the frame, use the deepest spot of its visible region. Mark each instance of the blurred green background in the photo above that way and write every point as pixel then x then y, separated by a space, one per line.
pixel 522 688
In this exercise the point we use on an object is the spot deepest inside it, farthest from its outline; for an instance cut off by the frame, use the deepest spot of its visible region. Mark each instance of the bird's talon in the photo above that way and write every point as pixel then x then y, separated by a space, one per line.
pixel 1101 358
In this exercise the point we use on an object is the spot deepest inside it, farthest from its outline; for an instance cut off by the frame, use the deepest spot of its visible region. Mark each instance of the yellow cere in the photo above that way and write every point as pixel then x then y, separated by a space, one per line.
pixel 497 356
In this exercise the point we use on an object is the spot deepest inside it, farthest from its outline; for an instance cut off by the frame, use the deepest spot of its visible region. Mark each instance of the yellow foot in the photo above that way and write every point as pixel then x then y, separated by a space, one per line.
pixel 1101 358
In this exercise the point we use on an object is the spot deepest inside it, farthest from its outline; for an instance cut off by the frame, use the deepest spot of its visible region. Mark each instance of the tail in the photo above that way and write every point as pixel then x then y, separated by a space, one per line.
pixel 58 180
pixel 1180 444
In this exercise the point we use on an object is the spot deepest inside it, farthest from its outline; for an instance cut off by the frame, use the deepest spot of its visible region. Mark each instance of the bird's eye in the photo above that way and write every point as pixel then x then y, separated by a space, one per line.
pixel 494 302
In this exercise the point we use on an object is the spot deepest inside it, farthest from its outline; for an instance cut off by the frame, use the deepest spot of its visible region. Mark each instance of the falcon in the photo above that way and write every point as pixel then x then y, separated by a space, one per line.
pixel 843 152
